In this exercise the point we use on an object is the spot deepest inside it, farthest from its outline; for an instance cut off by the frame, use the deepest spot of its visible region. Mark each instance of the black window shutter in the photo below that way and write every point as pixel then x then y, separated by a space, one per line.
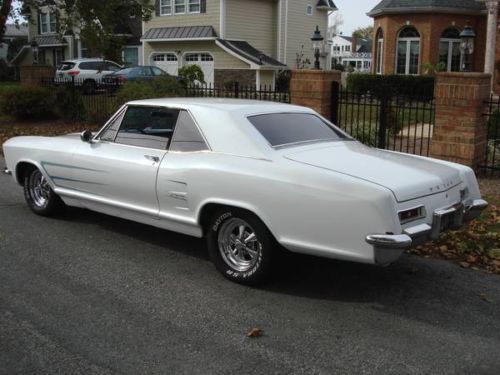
pixel 157 7
pixel 203 6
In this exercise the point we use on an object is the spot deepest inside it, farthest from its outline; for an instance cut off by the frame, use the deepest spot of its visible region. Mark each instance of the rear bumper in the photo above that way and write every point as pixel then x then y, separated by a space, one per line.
pixel 389 247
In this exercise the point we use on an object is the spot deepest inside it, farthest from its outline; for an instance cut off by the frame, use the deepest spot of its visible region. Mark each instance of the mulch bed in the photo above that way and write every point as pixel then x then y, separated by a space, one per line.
pixel 476 245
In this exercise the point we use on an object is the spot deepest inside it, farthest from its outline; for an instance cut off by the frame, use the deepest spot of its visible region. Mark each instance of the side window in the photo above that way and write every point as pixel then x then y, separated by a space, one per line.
pixel 110 133
pixel 157 71
pixel 111 66
pixel 150 127
pixel 187 137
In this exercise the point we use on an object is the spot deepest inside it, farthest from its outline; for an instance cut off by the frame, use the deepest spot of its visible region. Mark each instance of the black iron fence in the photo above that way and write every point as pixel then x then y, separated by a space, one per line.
pixel 96 100
pixel 491 162
pixel 399 123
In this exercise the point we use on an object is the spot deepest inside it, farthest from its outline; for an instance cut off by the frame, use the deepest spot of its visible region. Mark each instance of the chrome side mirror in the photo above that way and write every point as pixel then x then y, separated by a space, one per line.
pixel 86 136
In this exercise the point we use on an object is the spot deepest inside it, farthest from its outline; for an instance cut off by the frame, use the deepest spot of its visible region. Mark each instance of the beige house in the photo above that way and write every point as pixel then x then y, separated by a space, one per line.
pixel 56 45
pixel 234 40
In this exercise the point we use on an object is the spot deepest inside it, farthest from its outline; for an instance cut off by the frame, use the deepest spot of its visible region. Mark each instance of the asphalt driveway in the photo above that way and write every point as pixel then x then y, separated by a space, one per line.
pixel 87 293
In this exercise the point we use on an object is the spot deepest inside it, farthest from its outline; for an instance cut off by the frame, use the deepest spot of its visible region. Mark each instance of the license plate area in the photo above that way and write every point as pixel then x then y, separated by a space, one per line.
pixel 448 218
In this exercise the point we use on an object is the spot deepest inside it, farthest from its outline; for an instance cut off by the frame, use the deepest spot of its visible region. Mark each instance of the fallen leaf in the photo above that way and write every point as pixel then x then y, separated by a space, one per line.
pixel 485 298
pixel 464 264
pixel 254 332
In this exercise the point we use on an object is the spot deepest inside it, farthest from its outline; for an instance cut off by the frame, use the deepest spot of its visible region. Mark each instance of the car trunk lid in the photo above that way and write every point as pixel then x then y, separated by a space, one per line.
pixel 406 176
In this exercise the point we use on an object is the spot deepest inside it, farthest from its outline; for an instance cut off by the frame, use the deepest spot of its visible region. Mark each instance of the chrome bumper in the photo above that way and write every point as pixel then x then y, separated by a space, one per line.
pixel 388 247
pixel 7 171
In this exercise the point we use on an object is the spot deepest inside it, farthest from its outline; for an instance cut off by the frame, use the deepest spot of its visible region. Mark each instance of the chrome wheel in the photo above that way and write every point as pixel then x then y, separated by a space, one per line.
pixel 239 245
pixel 39 189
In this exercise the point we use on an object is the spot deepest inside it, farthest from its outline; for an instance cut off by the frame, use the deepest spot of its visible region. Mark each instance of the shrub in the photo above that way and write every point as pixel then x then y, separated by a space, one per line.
pixel 418 87
pixel 162 87
pixel 69 103
pixel 339 67
pixel 28 102
pixel 192 74
pixel 283 78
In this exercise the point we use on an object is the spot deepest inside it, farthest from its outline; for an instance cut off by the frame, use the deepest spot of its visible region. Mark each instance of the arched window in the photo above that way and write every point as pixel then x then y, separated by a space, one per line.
pixel 379 67
pixel 449 49
pixel 408 55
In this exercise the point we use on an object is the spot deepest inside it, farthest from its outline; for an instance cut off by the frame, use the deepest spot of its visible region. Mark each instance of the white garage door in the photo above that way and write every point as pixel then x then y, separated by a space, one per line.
pixel 166 61
pixel 206 63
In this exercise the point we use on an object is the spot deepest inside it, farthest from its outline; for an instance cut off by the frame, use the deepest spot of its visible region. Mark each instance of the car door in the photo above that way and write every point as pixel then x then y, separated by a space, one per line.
pixel 179 173
pixel 119 168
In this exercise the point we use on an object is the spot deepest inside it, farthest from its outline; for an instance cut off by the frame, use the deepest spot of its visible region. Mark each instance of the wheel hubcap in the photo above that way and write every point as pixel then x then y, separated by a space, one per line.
pixel 239 245
pixel 39 189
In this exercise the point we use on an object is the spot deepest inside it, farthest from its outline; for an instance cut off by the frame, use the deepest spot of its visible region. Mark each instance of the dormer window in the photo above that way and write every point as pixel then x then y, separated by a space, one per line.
pixel 48 23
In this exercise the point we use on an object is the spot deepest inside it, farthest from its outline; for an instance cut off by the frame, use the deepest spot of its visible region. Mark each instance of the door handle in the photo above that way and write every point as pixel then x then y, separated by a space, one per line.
pixel 154 159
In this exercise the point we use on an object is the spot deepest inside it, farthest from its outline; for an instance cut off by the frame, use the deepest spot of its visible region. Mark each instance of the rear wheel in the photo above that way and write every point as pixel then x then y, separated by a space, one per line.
pixel 241 246
pixel 39 195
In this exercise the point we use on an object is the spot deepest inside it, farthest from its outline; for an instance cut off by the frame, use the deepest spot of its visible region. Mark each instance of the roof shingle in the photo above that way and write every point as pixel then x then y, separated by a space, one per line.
pixel 394 6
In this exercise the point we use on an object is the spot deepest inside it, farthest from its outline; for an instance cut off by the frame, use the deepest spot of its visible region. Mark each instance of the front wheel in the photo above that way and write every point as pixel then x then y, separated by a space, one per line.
pixel 241 246
pixel 39 195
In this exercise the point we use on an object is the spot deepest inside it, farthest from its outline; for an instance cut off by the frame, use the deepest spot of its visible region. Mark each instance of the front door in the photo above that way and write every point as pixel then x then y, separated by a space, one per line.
pixel 119 169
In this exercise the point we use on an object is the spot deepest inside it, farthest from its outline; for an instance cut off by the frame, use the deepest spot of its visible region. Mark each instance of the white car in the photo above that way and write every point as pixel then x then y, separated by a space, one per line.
pixel 87 73
pixel 252 177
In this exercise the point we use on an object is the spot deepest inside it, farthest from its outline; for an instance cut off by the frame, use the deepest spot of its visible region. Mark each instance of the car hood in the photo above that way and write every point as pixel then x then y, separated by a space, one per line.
pixel 407 176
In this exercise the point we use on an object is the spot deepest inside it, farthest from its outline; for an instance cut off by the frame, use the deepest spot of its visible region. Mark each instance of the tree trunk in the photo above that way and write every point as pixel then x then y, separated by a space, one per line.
pixel 4 15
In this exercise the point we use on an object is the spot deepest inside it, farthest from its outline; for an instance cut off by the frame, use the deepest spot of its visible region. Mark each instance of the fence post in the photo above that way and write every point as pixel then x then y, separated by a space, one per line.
pixel 236 90
pixel 460 133
pixel 313 88
pixel 384 114
pixel 335 102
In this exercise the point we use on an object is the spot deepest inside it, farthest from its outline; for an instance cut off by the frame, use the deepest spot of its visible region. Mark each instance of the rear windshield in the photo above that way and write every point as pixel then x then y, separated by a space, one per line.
pixel 66 66
pixel 281 129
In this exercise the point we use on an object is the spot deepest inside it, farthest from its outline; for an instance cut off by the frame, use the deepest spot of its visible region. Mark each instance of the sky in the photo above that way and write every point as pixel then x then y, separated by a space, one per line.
pixel 354 13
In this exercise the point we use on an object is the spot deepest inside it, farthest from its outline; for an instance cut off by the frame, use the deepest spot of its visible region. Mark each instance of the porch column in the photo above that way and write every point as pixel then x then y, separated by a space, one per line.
pixel 491 34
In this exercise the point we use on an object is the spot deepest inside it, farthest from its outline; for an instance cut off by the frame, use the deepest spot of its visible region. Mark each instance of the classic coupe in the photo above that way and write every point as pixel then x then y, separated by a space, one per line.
pixel 254 178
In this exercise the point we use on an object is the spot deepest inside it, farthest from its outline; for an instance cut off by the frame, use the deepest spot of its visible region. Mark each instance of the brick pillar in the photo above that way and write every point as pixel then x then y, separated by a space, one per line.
pixel 35 74
pixel 313 89
pixel 460 126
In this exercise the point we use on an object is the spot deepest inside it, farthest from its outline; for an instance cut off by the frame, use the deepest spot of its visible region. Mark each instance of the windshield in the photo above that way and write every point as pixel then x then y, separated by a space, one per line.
pixel 281 129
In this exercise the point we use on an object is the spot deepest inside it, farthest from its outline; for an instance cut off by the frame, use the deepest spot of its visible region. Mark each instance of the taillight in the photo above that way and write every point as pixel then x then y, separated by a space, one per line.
pixel 73 73
pixel 411 214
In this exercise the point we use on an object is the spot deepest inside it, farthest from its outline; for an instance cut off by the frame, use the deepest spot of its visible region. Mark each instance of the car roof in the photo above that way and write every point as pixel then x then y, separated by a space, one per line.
pixel 245 106
pixel 223 119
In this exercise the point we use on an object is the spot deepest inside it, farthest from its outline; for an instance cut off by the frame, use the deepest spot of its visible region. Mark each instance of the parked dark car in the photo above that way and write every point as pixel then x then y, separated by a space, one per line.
pixel 136 73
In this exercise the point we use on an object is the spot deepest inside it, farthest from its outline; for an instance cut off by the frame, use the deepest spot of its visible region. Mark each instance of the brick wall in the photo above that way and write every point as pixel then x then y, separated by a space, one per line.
pixel 313 89
pixel 430 27
pixel 460 127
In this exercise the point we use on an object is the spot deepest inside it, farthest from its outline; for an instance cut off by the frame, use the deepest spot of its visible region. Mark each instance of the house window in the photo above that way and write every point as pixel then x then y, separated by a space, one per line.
pixel 380 52
pixel 165 7
pixel 48 23
pixel 309 10
pixel 165 57
pixel 194 6
pixel 347 48
pixel 180 6
pixel 449 49
pixel 408 54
